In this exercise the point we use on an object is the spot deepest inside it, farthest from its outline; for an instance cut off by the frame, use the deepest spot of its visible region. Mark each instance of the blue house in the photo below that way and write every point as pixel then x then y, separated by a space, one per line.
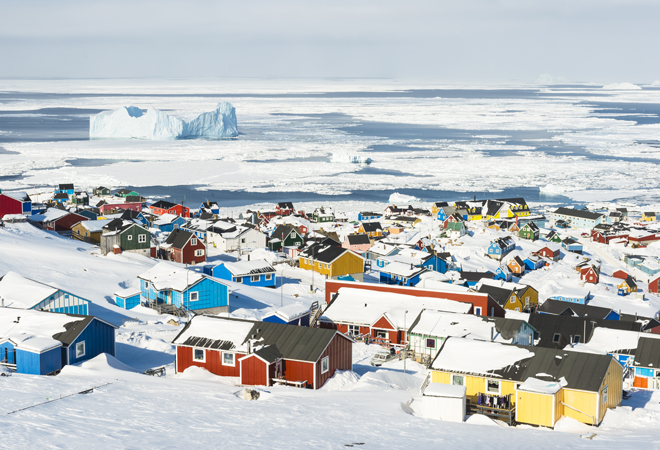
pixel 252 273
pixel 17 291
pixel 572 245
pixel 533 262
pixel 67 189
pixel 41 343
pixel 500 247
pixel 128 298
pixel 211 207
pixel 572 296
pixel 540 220
pixel 169 222
pixel 294 314
pixel 369 216
pixel 171 284
pixel 401 274
pixel 503 273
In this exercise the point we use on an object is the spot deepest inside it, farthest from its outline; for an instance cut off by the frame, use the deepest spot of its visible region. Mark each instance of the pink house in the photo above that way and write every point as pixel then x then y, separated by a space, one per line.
pixel 359 243
pixel 110 207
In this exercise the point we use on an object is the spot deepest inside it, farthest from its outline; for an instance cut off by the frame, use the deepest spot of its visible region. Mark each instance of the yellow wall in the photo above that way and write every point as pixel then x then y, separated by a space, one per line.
pixel 535 409
pixel 581 400
pixel 473 384
pixel 347 263
pixel 614 382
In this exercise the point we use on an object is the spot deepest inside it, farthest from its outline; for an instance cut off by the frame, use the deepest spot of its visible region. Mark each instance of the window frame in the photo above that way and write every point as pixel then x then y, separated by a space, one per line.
pixel 499 386
pixel 477 310
pixel 199 252
pixel 233 359
pixel 352 330
pixel 576 339
pixel 80 354
pixel 556 338
pixel 454 376
pixel 378 332
pixel 142 238
pixel 605 393
pixel 434 341
pixel 325 362
pixel 239 280
pixel 269 276
pixel 252 278
pixel 195 359
pixel 194 296
pixel 129 237
pixel 193 240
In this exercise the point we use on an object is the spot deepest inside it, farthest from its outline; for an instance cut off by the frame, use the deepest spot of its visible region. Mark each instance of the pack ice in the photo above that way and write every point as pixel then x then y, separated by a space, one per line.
pixel 130 122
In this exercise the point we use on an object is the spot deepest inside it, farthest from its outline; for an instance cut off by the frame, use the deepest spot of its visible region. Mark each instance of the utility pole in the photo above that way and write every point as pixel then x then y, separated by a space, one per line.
pixel 406 347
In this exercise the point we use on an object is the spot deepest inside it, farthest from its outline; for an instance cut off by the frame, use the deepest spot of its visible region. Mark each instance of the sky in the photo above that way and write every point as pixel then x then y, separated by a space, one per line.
pixel 602 41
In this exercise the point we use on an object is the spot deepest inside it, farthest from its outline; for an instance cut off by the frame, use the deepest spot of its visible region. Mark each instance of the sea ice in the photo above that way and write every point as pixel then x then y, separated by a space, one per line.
pixel 621 87
pixel 130 123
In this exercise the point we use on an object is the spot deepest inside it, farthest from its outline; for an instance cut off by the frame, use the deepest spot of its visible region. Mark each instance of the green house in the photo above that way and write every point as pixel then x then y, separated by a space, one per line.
pixel 126 193
pixel 79 199
pixel 101 191
pixel 285 236
pixel 553 236
pixel 529 231
pixel 125 236
pixel 322 215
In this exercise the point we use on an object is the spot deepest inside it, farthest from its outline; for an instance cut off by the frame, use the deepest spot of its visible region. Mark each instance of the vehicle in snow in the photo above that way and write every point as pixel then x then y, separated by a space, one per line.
pixel 585 235
pixel 381 358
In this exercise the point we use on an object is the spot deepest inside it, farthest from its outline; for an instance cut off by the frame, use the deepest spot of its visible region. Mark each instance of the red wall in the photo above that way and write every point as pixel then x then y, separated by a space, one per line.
pixel 299 371
pixel 123 206
pixel 254 372
pixel 66 222
pixel 340 352
pixel 9 205
pixel 213 362
pixel 654 285
pixel 476 299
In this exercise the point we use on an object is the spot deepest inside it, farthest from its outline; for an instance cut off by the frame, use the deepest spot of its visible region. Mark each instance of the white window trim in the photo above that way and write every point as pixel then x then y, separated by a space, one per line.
pixel 325 360
pixel 269 276
pixel 203 355
pixel 239 279
pixel 84 349
pixel 477 311
pixel 457 375
pixel 252 278
pixel 142 238
pixel 233 356
pixel 352 330
pixel 499 386
pixel 194 296
pixel 193 241
pixel 605 389
pixel 129 237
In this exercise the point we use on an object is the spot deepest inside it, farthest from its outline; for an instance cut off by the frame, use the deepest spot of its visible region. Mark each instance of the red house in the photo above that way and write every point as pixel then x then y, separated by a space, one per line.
pixel 59 220
pixel 590 274
pixel 108 208
pixel 385 317
pixel 15 203
pixel 621 274
pixel 162 207
pixel 263 353
pixel 284 208
pixel 550 251
pixel 482 304
pixel 183 247
pixel 654 285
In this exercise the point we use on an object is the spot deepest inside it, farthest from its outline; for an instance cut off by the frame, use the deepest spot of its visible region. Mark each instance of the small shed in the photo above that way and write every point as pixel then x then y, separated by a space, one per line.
pixel 444 402
pixel 293 314
pixel 128 298
pixel 539 402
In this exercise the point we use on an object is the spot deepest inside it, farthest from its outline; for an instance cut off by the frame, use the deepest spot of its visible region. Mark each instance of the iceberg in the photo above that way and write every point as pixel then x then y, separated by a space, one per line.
pixel 621 87
pixel 345 157
pixel 131 123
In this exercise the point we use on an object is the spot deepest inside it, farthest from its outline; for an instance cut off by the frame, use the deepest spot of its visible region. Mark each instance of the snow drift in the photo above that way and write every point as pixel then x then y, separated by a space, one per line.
pixel 131 123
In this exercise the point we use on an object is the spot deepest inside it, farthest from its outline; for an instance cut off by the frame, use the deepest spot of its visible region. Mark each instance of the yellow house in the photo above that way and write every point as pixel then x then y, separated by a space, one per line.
pixel 511 296
pixel 332 261
pixel 89 230
pixel 648 217
pixel 435 209
pixel 371 229
pixel 543 384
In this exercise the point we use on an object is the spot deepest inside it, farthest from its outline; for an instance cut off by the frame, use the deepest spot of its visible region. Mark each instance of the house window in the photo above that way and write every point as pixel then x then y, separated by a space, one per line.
pixel 199 252
pixel 513 299
pixel 477 311
pixel 80 349
pixel 605 394
pixel 576 339
pixel 493 386
pixel 354 330
pixel 556 338
pixel 381 334
pixel 254 278
pixel 194 296
pixel 193 241
pixel 269 277
pixel 239 279
pixel 142 238
pixel 430 343
pixel 325 364
pixel 129 237
pixel 243 241
pixel 199 354
pixel 228 359
pixel 458 380
pixel 527 301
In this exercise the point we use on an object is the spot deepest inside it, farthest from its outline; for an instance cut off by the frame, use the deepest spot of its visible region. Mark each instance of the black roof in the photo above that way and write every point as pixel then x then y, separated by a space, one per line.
pixel 508 328
pixel 66 187
pixel 577 213
pixel 162 204
pixel 74 328
pixel 275 339
pixel 648 353
pixel 371 227
pixel 549 324
pixel 358 239
pixel 532 226
pixel 284 231
pixel 323 253
pixel 178 238
pixel 133 199
pixel 205 215
pixel 285 205
pixel 500 295
pixel 492 207
pixel 476 276
pixel 557 307
pixel 61 195
pixel 129 214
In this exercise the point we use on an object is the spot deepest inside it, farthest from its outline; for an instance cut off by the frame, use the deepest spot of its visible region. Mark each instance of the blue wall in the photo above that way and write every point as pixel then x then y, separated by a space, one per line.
pixel 128 302
pixel 64 302
pixel 99 338
pixel 170 226
pixel 387 278
pixel 304 320
pixel 10 355
pixel 220 271
pixel 38 363
pixel 211 295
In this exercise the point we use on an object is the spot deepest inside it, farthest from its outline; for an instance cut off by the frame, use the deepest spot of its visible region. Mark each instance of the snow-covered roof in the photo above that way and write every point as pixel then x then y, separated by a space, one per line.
pixel 243 268
pixel 445 390
pixel 233 332
pixel 567 292
pixel 380 248
pixel 166 275
pixel 532 384
pixel 49 215
pixel 21 196
pixel 607 340
pixel 360 306
pixel 94 226
pixel 401 269
pixel 128 292
pixel 444 324
pixel 20 292
pixel 479 357
pixel 34 330
pixel 165 219
pixel 289 312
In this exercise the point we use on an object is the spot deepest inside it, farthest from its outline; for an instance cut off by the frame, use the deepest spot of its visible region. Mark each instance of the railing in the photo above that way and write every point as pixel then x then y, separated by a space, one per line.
pixel 285 382
pixel 425 384
pixel 507 415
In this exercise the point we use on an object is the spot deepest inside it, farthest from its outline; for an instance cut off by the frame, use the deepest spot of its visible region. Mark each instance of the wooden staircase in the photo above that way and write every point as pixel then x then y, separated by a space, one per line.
pixel 315 312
